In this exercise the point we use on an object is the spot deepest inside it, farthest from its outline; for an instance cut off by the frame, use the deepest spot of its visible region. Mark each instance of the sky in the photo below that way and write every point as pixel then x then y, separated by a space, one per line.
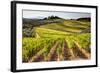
pixel 43 14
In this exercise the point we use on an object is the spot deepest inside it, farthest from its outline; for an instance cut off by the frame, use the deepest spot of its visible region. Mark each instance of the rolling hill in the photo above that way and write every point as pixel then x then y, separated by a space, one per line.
pixel 56 39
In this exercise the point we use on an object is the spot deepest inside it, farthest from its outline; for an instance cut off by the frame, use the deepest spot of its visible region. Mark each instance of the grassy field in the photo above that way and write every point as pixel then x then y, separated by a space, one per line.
pixel 58 41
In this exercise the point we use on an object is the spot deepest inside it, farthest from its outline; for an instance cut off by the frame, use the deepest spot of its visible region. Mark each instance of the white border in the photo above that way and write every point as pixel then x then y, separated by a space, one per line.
pixel 38 65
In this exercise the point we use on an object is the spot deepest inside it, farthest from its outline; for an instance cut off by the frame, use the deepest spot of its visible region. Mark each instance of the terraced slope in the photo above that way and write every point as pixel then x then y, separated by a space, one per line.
pixel 71 26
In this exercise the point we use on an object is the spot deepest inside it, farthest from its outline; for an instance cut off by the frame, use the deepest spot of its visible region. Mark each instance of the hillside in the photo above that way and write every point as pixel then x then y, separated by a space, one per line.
pixel 56 23
pixel 72 26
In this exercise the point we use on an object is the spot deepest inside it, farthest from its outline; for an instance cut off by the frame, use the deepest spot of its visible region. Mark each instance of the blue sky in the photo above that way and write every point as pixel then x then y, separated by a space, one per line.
pixel 65 15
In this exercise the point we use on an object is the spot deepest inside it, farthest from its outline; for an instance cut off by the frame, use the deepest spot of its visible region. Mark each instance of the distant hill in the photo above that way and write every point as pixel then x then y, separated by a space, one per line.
pixel 38 22
pixel 84 19
pixel 30 21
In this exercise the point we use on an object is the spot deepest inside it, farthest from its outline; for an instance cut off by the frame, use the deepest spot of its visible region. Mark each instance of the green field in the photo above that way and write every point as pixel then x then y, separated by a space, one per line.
pixel 57 41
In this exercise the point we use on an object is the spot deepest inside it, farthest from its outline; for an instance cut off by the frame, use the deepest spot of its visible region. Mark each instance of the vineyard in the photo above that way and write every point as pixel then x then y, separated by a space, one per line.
pixel 55 45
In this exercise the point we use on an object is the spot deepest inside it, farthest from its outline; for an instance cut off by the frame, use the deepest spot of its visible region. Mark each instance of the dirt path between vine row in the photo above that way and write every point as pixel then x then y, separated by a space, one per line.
pixel 82 53
pixel 67 52
pixel 38 57
pixel 52 56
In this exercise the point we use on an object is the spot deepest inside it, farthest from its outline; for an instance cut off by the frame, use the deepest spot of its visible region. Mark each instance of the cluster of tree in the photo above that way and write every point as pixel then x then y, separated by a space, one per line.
pixel 51 17
pixel 28 28
pixel 84 19
pixel 28 32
